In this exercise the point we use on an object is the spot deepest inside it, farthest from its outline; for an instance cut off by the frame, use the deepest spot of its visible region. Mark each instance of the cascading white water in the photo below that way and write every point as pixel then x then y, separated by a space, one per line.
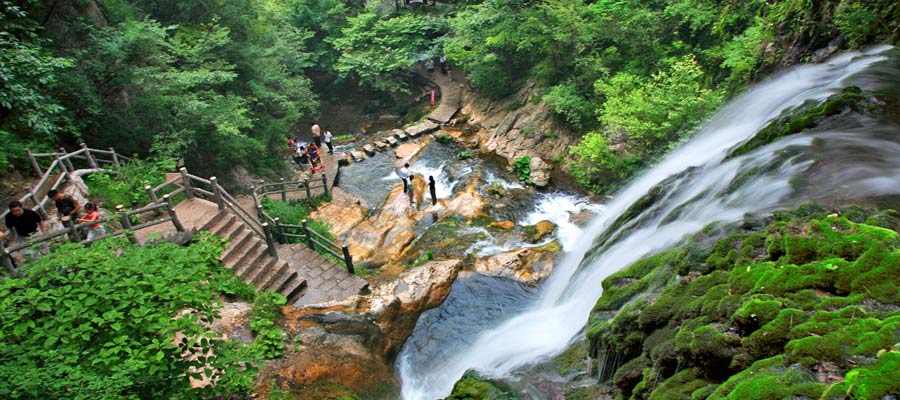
pixel 701 189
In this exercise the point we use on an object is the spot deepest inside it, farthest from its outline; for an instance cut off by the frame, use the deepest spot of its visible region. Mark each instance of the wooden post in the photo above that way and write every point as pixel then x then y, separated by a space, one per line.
pixel 152 194
pixel 90 157
pixel 309 239
pixel 34 196
pixel 269 242
pixel 115 157
pixel 6 260
pixel 325 183
pixel 34 163
pixel 170 208
pixel 67 160
pixel 74 235
pixel 126 223
pixel 62 165
pixel 348 260
pixel 186 183
pixel 283 192
pixel 279 229
pixel 308 193
pixel 217 193
pixel 255 198
pixel 259 213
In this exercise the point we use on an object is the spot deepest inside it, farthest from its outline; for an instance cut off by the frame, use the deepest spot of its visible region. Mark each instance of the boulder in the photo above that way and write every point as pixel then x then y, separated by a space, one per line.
pixel 538 231
pixel 504 224
pixel 341 214
pixel 540 172
pixel 407 151
pixel 422 128
pixel 526 265
pixel 468 204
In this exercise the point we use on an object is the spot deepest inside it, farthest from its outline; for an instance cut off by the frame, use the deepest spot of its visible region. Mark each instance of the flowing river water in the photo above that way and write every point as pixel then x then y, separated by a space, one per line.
pixel 498 327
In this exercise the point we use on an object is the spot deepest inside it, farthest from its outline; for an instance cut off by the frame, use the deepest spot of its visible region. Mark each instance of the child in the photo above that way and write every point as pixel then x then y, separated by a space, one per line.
pixel 315 162
pixel 95 230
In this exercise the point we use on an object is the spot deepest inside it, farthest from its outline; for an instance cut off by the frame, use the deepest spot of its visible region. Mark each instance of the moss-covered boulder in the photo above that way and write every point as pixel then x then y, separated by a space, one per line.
pixel 786 308
pixel 471 387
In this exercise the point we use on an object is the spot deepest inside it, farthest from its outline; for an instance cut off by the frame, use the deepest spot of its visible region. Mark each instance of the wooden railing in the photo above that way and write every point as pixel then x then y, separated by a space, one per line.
pixel 57 172
pixel 284 232
pixel 63 162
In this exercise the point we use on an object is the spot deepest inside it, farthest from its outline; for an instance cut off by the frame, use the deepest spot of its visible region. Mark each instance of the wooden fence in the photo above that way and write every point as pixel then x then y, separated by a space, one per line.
pixel 284 232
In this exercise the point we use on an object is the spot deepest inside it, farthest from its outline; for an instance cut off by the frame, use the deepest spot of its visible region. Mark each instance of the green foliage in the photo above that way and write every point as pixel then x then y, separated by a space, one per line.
pixel 426 257
pixel 443 138
pixel 266 311
pixel 464 155
pixel 376 49
pixel 522 168
pixel 30 114
pixel 293 213
pixel 656 112
pixel 569 106
pixel 114 321
pixel 597 167
pixel 126 187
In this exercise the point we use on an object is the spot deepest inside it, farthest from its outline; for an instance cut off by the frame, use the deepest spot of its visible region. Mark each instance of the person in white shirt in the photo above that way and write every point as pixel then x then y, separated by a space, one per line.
pixel 328 137
pixel 404 176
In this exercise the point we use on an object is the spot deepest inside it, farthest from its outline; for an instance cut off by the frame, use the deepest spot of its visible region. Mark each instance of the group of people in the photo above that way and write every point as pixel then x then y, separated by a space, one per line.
pixel 24 223
pixel 429 65
pixel 414 186
pixel 308 153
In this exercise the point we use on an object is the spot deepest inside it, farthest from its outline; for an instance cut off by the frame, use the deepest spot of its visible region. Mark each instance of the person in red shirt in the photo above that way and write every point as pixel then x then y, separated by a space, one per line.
pixel 94 230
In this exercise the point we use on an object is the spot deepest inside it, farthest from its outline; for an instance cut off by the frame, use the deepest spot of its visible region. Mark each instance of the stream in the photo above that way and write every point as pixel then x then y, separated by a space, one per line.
pixel 499 328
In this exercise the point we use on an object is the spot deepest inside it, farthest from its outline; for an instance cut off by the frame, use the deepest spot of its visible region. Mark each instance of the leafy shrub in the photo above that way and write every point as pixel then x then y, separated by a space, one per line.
pixel 522 168
pixel 569 106
pixel 443 138
pixel 598 168
pixel 464 155
pixel 101 322
pixel 293 213
pixel 127 186
pixel 266 311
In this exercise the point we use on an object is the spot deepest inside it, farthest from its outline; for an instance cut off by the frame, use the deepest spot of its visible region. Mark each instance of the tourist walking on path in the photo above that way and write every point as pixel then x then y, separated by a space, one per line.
pixel 66 206
pixel 429 65
pixel 444 65
pixel 411 192
pixel 316 134
pixel 432 189
pixel 24 223
pixel 94 230
pixel 328 137
pixel 404 175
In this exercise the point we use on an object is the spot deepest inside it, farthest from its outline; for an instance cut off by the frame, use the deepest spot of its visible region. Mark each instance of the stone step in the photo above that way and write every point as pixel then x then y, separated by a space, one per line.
pixel 422 128
pixel 369 149
pixel 280 280
pixel 224 227
pixel 272 274
pixel 293 289
pixel 237 247
pixel 381 145
pixel 241 264
pixel 400 135
pixel 358 155
pixel 258 265
pixel 211 224
pixel 391 141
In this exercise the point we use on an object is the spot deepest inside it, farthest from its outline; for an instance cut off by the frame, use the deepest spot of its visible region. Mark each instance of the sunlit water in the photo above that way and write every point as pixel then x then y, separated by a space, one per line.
pixel 700 189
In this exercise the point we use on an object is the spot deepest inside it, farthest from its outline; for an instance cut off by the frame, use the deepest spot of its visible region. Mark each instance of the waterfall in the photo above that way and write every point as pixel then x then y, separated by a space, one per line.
pixel 693 187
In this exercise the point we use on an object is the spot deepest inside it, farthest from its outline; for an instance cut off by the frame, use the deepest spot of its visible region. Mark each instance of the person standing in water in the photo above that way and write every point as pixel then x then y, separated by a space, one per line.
pixel 404 175
pixel 432 188
pixel 328 138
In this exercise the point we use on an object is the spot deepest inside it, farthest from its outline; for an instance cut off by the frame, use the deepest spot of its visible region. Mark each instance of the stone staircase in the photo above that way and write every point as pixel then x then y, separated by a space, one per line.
pixel 247 255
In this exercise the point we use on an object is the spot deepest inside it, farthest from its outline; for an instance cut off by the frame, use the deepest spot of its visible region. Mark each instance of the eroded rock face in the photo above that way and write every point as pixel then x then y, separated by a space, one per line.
pixel 527 265
pixel 353 343
pixel 519 133
pixel 407 151
pixel 540 172
pixel 468 204
pixel 383 236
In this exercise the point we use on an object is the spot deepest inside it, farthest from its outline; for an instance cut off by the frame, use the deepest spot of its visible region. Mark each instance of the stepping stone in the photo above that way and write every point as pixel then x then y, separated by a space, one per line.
pixel 400 134
pixel 345 160
pixel 358 155
pixel 391 141
pixel 422 128
pixel 369 149
pixel 381 145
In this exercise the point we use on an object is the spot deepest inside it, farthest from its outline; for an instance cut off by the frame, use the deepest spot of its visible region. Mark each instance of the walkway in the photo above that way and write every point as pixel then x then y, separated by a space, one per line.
pixel 301 274
pixel 451 96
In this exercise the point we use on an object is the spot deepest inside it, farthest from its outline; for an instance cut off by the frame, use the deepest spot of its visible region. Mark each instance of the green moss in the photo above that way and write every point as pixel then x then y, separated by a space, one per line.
pixel 472 388
pixel 630 374
pixel 769 379
pixel 876 381
pixel 804 117
pixel 574 358
pixel 756 313
pixel 680 386
pixel 623 285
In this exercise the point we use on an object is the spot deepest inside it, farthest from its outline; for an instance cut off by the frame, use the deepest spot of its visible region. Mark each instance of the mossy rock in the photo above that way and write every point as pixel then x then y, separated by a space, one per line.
pixel 770 379
pixel 472 388
pixel 680 386
pixel 804 117
pixel 876 381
